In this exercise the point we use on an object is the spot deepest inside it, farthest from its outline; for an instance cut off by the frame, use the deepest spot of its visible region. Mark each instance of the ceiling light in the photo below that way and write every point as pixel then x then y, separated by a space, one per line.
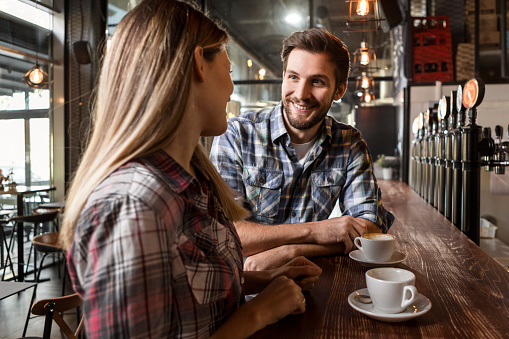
pixel 36 77
pixel 293 18
pixel 364 16
pixel 261 74
pixel 362 8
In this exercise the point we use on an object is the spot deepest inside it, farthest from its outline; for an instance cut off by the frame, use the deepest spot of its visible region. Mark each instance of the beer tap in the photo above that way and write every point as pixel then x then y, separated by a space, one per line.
pixel 425 156
pixel 420 155
pixel 433 124
pixel 494 152
pixel 456 160
pixel 500 150
pixel 486 143
pixel 471 148
pixel 443 114
pixel 448 155
pixel 415 152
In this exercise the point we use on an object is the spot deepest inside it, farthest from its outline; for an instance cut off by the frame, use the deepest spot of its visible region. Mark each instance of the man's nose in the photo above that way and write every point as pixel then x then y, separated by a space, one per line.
pixel 303 91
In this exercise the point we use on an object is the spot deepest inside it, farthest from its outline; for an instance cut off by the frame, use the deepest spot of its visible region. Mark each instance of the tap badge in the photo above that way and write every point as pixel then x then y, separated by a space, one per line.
pixel 473 93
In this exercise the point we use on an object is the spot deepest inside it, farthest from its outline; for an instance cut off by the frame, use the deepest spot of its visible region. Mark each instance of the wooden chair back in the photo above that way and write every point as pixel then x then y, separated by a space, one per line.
pixel 52 308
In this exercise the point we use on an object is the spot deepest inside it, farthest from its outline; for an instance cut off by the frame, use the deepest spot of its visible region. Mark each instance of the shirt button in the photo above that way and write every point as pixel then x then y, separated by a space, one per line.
pixel 232 244
pixel 294 214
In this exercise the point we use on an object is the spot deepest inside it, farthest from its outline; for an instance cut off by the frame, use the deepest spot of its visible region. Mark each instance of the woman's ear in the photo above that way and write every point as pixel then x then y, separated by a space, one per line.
pixel 199 67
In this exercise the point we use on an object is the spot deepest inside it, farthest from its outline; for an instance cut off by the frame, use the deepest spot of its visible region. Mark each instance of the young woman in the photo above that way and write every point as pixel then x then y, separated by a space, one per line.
pixel 152 250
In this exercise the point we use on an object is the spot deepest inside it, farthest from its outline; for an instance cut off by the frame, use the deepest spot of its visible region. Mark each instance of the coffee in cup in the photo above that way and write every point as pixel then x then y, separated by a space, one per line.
pixel 377 247
pixel 391 289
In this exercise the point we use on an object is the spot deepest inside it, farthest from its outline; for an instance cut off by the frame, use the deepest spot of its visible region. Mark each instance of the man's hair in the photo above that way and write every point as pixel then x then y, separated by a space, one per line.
pixel 315 40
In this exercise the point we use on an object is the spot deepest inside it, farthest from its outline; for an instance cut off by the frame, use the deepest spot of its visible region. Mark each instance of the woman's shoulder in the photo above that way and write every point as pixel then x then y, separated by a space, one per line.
pixel 137 184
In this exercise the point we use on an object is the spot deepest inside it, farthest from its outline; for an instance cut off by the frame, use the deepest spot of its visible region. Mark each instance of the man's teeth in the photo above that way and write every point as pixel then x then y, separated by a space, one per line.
pixel 300 107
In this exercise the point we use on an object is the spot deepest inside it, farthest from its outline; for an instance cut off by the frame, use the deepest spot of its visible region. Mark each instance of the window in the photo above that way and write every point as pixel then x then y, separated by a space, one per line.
pixel 25 39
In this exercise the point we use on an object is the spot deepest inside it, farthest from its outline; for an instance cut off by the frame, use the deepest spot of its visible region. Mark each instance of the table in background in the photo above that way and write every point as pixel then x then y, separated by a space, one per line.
pixel 21 192
pixel 469 290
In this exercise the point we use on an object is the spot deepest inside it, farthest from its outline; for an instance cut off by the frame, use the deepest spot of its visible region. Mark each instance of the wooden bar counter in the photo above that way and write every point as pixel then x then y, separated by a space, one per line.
pixel 469 290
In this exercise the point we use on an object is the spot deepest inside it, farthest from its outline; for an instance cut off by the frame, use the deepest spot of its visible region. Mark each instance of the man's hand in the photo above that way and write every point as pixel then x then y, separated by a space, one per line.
pixel 343 230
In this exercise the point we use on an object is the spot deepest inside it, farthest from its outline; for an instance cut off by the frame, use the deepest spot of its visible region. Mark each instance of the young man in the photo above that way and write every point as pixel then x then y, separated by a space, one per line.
pixel 292 163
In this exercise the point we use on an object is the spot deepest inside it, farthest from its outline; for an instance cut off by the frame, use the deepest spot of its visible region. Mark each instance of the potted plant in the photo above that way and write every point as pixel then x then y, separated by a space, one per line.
pixel 387 170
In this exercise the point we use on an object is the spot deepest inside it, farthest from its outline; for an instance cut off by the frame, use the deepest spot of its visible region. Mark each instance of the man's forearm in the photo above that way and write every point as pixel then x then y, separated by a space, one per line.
pixel 258 238
pixel 277 256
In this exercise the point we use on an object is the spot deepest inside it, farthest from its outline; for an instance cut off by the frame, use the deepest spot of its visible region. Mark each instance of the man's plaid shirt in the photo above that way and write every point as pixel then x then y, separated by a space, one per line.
pixel 255 157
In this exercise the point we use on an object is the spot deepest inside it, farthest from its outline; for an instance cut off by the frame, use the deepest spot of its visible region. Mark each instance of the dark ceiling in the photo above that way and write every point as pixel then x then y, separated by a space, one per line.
pixel 259 26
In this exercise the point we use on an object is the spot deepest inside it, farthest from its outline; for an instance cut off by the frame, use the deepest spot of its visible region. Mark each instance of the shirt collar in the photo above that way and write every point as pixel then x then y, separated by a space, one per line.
pixel 277 125
pixel 174 174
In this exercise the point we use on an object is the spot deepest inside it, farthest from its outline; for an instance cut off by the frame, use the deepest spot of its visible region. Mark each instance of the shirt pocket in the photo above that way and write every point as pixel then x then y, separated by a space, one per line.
pixel 326 186
pixel 263 190
pixel 209 266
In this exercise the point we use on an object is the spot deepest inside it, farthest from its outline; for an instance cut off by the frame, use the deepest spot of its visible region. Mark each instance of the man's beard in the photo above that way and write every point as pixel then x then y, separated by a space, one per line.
pixel 316 118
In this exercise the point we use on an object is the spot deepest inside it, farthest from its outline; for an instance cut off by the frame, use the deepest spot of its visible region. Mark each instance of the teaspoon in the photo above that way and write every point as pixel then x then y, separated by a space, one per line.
pixel 365 299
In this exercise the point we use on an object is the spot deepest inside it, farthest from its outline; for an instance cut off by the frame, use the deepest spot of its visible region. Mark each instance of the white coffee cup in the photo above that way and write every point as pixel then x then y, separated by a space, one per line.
pixel 391 289
pixel 377 247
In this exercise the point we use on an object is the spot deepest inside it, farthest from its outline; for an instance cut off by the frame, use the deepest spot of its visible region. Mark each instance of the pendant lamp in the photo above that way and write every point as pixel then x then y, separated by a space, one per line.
pixel 364 59
pixel 36 77
pixel 364 16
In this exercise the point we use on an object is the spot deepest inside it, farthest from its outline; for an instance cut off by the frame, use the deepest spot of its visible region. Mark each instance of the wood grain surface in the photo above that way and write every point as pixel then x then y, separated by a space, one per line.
pixel 469 290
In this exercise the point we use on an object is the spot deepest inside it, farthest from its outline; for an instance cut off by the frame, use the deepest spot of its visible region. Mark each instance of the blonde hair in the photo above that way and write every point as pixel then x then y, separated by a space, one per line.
pixel 142 95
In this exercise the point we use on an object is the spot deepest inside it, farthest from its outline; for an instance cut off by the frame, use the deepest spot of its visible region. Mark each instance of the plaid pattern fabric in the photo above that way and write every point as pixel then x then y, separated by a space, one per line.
pixel 255 157
pixel 154 256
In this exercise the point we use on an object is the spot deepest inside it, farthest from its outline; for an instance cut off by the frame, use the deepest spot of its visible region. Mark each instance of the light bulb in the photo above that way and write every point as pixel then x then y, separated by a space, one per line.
pixel 36 76
pixel 363 8
pixel 249 63
pixel 364 58
pixel 365 82
pixel 367 97
pixel 261 74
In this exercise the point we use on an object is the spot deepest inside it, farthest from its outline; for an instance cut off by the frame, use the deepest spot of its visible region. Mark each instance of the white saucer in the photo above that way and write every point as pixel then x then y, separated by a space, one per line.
pixel 359 256
pixel 420 306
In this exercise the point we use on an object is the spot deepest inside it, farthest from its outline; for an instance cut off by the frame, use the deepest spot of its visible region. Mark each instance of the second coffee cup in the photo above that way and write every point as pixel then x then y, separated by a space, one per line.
pixel 391 289
pixel 376 247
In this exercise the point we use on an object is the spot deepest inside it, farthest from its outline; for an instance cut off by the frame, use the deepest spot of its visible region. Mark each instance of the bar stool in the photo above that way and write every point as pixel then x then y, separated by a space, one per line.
pixel 47 244
pixel 6 230
pixel 37 219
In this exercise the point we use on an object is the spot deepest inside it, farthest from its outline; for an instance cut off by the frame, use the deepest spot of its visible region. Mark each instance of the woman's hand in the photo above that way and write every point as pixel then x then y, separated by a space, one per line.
pixel 304 272
pixel 281 298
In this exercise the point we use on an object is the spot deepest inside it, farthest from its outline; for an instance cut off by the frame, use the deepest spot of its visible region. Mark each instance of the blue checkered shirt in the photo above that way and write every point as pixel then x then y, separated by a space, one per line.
pixel 255 157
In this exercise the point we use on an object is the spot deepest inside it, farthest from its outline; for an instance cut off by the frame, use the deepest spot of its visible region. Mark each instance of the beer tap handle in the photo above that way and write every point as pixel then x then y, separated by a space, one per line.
pixel 486 132
pixel 486 145
pixel 499 132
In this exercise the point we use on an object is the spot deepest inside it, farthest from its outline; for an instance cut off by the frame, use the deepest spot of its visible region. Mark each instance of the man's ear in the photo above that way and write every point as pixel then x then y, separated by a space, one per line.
pixel 199 67
pixel 340 91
